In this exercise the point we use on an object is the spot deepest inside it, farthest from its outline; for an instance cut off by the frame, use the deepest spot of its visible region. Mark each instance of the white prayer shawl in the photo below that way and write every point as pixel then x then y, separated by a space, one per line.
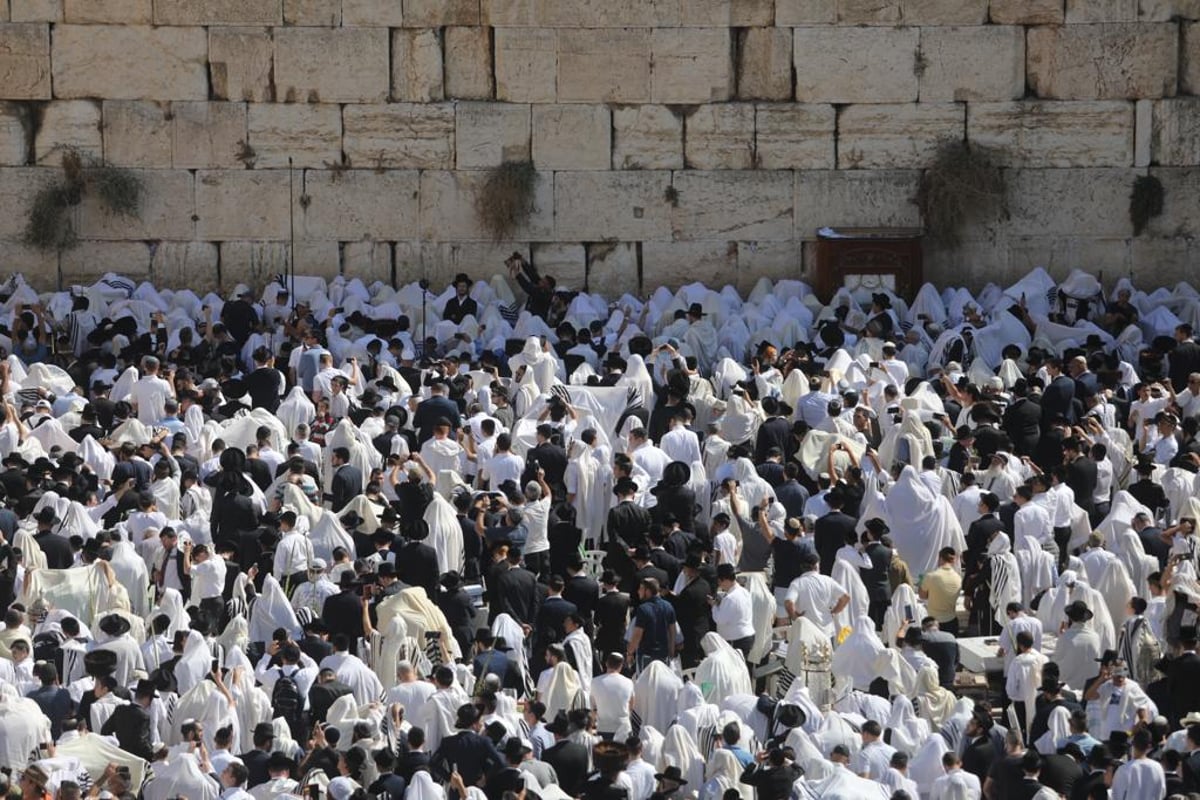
pixel 271 611
pixel 82 591
pixel 445 534
pixel 385 649
pixel 251 703
pixel 171 604
pixel 762 610
pixel 205 704
pixel 925 767
pixel 694 714
pixel 367 511
pixel 96 752
pixel 181 776
pixel 235 635
pixel 723 671
pixel 809 756
pixel 99 459
pixel 592 490
pixel 562 691
pixel 1115 586
pixel 922 522
pixel 540 364
pixel 908 730
pixel 1059 728
pixel 937 704
pixel 579 647
pixel 904 598
pixel 1051 611
pixel 1132 700
pixel 438 715
pixel 652 744
pixel 849 578
pixel 914 434
pixel 859 654
pixel 194 664
pixel 1076 654
pixel 51 434
pixel 1006 577
pixel 328 534
pixel 723 773
pixel 656 695
pixel 679 750
pixel 1023 682
pixel 1037 569
pixel 504 626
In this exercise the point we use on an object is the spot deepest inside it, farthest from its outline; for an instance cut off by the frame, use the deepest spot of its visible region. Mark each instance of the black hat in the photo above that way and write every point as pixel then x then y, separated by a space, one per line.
pixel 693 561
pixel 278 761
pixel 559 725
pixel 1108 657
pixel 386 570
pixel 613 359
pixel 146 688
pixel 671 773
pixel 726 572
pixel 264 730
pixel 348 579
pixel 877 526
pixel 964 432
pixel 641 553
pixel 1078 611
pixel 47 516
pixel 516 748
pixel 15 459
pixel 451 581
pixel 1187 633
pixel 114 625
pixel 696 310
pixel 1050 685
pixel 882 300
pixel 351 519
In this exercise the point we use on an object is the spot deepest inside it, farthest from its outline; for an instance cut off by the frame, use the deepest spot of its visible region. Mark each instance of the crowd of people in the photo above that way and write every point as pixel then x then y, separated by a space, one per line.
pixel 514 540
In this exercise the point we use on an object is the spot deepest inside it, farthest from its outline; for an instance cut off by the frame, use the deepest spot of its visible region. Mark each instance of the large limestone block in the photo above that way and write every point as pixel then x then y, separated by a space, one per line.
pixel 89 260
pixel 1182 188
pixel 1117 10
pixel 448 201
pixel 186 265
pixel 728 13
pixel 310 134
pixel 242 204
pixel 166 210
pixel 441 261
pixel 436 13
pixel 488 134
pixel 368 261
pixel 373 13
pixel 855 198
pixel 726 205
pixel 526 65
pixel 1103 62
pixel 469 63
pixel 566 262
pixel 944 12
pixel 895 136
pixel 218 12
pixel 359 203
pixel 35 10
pixel 332 65
pixel 1026 12
pixel 604 66
pixel 805 12
pixel 984 62
pixel 599 206
pixel 572 137
pixel 25 61
pixel 510 13
pixel 765 64
pixel 128 62
pixel 772 260
pixel 18 187
pixel 209 135
pixel 691 65
pixel 869 12
pixel 137 134
pixel 675 264
pixel 594 14
pixel 612 268
pixel 856 65
pixel 721 136
pixel 794 136
pixel 69 124
pixel 115 12
pixel 1176 137
pixel 1046 134
pixel 407 135
pixel 14 136
pixel 321 13
pixel 39 267
pixel 1189 59
pixel 242 64
pixel 647 137
pixel 253 263
pixel 1081 202
pixel 417 65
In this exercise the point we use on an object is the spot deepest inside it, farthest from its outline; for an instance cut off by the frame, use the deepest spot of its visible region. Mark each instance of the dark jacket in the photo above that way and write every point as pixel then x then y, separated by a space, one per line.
pixel 343 612
pixel 471 754
pixel 548 627
pixel 1022 422
pixel 347 484
pixel 256 765
pixel 694 615
pixel 515 593
pixel 323 695
pixel 496 662
pixel 570 762
pixel 1081 477
pixel 57 549
pixel 263 385
pixel 612 617
pixel 457 310
pixel 771 783
pixel 584 592
pixel 130 723
pixel 1058 398
pixel 430 411
pixel 875 579
pixel 416 565
pixel 56 703
pixel 829 535
pixel 629 522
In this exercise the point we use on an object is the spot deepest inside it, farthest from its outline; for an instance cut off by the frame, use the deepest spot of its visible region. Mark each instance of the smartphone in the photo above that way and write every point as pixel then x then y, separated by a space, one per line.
pixel 910 613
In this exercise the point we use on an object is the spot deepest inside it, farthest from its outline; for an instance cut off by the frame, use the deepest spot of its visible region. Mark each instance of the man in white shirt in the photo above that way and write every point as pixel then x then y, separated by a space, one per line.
pixel 647 456
pixel 293 553
pixel 409 691
pixel 536 512
pixel 150 393
pixel 640 773
pixel 875 756
pixel 1018 621
pixel 504 465
pixel 956 784
pixel 1140 777
pixel 815 596
pixel 679 443
pixel 612 699
pixel 292 663
pixel 1032 519
pixel 208 582
pixel 733 610
pixel 896 369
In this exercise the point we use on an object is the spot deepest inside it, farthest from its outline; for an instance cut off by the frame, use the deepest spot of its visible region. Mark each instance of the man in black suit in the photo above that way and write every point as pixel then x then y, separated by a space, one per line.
pixel 130 723
pixel 466 751
pixel 553 611
pixel 980 532
pixel 347 482
pixel 581 589
pixel 256 759
pixel 569 759
pixel 416 561
pixel 551 458
pixel 628 522
pixel 772 780
pixel 343 611
pixel 315 643
pixel 515 591
pixel 1185 358
pixel 415 757
pixel 875 579
pixel 1183 676
pixel 430 411
pixel 693 611
pixel 611 615
pixel 774 432
pixel 461 305
pixel 829 534
pixel 1058 398
pixel 265 384
pixel 644 568
pixel 1082 474
pixel 324 692
pixel 989 438
pixel 57 548
pixel 1092 780
pixel 1023 423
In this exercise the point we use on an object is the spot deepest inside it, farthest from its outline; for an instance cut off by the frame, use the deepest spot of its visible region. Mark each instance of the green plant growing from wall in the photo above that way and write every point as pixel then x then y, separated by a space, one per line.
pixel 964 185
pixel 49 226
pixel 506 199
pixel 1145 202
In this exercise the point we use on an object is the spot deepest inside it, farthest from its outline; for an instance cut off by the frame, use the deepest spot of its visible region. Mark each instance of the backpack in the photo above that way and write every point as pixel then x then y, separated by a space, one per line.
pixel 286 699
pixel 1145 651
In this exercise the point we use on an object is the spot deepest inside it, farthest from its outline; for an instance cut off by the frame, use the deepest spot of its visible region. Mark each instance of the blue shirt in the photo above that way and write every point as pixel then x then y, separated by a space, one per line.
pixel 741 754
pixel 656 618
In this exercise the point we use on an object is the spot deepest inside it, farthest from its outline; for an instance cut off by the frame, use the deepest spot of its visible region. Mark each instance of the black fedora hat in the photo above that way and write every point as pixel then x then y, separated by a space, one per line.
pixel 671 773
pixel 114 625
pixel 47 516
pixel 696 310
pixel 1078 611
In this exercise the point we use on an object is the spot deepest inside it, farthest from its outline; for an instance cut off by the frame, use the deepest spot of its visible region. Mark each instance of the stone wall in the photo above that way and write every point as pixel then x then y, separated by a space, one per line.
pixel 675 140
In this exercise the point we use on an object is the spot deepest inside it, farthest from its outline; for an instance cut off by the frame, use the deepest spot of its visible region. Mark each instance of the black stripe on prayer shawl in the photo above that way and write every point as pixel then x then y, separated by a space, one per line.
pixel 635 722
pixel 708 740
pixel 783 682
pixel 121 284
pixel 510 314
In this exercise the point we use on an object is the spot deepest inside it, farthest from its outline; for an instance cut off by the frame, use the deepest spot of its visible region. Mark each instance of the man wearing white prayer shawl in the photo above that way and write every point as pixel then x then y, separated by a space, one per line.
pixel 679 443
pixel 558 686
pixel 1024 679
pixel 1140 777
pixel 1078 648
pixel 352 671
pixel 957 783
pixel 182 775
pixel 409 691
pixel 1018 621
pixel 117 639
pixel 1122 702
pixel 439 713
pixel 313 593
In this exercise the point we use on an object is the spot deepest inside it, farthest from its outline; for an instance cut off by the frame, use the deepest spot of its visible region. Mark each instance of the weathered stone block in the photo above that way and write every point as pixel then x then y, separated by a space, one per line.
pixel 128 62
pixel 1189 59
pixel 437 13
pixel 168 204
pixel 566 262
pixel 1182 188
pixel 510 13
pixel 242 204
pixel 310 134
pixel 572 137
pixel 373 13
pixel 647 137
pixel 69 124
pixel 1040 134
pixel 727 13
pixel 944 12
pixel 253 263
pixel 137 134
pixel 1103 62
pixel 218 12
pixel 488 134
pixel 794 136
pixel 321 13
pixel 869 12
pixel 721 136
pixel 1102 11
pixel 368 261
pixel 191 265
pixel 975 63
pixel 39 267
pixel 773 260
pixel 14 136
pixel 407 135
pixel 18 187
pixel 448 208
pixel 601 206
pixel 242 64
pixel 592 14
pixel 110 12
pixel 805 12
pixel 88 260
pixel 417 65
pixel 469 63
pixel 604 66
pixel 727 205
pixel 691 65
pixel 440 262
pixel 1176 137
pixel 209 135
pixel 35 10
pixel 895 136
pixel 676 264
pixel 855 65
pixel 855 198
pixel 1026 12
pixel 765 64
pixel 526 65
pixel 331 65
pixel 25 61
pixel 612 268
pixel 1085 202
pixel 1143 132
pixel 360 203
